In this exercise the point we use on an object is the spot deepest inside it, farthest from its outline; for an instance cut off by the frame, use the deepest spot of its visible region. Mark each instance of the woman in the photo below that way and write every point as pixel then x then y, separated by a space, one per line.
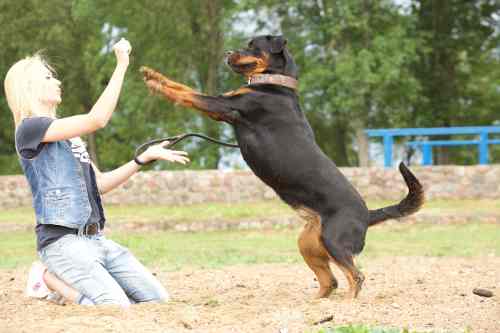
pixel 66 187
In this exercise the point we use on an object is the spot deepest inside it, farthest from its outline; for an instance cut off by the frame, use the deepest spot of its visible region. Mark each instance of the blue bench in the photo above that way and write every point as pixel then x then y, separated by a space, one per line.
pixel 482 140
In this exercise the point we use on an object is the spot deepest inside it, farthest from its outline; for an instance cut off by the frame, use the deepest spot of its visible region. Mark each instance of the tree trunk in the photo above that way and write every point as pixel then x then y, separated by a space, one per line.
pixel 342 143
pixel 214 44
pixel 363 147
pixel 360 124
pixel 437 69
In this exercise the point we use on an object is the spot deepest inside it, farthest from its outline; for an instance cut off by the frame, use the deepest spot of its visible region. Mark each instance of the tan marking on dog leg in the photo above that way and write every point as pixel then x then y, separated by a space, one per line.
pixel 182 97
pixel 354 277
pixel 237 92
pixel 188 99
pixel 152 75
pixel 315 254
pixel 313 227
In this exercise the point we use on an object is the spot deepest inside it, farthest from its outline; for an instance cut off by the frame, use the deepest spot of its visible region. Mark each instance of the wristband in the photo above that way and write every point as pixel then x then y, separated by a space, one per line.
pixel 136 160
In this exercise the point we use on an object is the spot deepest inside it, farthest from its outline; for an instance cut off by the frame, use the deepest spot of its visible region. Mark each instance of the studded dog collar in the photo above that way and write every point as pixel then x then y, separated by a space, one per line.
pixel 277 79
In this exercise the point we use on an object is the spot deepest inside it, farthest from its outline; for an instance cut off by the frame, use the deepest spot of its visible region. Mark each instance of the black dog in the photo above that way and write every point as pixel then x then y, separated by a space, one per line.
pixel 278 144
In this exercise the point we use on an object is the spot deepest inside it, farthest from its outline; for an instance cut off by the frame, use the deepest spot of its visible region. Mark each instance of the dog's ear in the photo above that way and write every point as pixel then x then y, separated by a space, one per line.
pixel 278 43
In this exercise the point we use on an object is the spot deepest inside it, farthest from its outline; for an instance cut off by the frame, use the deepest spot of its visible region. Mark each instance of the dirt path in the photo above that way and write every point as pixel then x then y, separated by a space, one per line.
pixel 427 294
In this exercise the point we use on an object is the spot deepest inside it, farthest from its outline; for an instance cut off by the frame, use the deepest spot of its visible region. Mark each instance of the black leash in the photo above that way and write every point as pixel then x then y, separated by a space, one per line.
pixel 178 138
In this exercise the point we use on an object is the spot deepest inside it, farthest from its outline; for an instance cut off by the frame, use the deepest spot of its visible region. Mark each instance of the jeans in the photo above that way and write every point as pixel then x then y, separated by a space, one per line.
pixel 103 271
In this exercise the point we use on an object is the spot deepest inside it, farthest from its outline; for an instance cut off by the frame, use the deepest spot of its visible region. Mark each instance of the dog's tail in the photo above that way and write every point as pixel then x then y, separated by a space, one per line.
pixel 409 205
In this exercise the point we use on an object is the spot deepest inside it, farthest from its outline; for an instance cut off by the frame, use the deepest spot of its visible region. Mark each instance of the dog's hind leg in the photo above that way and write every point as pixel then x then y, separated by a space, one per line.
pixel 352 274
pixel 341 254
pixel 316 256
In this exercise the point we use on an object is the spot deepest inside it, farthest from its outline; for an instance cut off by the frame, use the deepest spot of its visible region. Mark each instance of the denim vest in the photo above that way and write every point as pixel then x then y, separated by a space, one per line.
pixel 58 186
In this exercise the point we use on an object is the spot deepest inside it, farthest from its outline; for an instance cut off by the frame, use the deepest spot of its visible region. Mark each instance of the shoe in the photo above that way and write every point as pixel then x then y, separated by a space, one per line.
pixel 36 286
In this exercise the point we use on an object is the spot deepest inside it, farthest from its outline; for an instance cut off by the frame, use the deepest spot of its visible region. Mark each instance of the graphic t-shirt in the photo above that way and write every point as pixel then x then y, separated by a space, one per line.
pixel 29 135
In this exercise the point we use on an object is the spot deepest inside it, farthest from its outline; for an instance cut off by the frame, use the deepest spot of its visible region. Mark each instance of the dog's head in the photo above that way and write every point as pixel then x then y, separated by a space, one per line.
pixel 264 54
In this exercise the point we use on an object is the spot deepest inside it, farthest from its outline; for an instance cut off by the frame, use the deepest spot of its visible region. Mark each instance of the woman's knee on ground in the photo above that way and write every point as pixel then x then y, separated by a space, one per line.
pixel 155 293
pixel 161 296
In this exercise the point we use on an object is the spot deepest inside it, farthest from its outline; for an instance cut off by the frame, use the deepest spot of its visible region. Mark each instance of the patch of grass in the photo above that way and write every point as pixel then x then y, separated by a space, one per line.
pixel 213 249
pixel 173 250
pixel 366 329
pixel 237 211
pixel 22 215
pixel 434 240
pixel 441 206
pixel 360 329
pixel 17 249
pixel 182 214
pixel 198 212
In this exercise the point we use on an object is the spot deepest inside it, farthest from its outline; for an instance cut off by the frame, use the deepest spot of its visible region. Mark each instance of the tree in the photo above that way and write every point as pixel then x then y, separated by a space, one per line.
pixel 458 66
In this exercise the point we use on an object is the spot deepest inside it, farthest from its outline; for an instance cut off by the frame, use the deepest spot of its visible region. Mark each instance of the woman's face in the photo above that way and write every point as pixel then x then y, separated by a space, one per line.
pixel 51 89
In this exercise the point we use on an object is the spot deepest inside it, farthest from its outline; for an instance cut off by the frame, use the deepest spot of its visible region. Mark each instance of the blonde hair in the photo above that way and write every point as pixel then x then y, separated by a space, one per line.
pixel 24 88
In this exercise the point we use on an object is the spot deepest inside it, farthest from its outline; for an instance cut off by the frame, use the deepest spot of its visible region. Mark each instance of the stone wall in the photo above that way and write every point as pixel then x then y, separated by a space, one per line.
pixel 188 187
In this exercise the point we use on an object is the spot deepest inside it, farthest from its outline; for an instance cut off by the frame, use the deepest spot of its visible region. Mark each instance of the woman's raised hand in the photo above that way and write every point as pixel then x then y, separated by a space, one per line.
pixel 122 51
pixel 159 152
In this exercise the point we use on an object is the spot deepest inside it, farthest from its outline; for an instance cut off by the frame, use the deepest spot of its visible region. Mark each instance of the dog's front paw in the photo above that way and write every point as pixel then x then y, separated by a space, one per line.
pixel 147 73
pixel 154 86
pixel 150 74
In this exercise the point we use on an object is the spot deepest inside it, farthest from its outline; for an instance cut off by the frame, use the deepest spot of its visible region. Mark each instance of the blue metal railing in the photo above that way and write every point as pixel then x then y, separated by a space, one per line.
pixel 481 131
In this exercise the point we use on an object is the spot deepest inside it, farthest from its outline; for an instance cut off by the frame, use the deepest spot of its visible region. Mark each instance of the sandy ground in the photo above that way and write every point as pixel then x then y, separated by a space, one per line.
pixel 421 293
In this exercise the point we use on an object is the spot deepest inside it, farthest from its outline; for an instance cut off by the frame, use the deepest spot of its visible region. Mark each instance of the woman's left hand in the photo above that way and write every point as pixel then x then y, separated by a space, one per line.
pixel 159 152
pixel 122 51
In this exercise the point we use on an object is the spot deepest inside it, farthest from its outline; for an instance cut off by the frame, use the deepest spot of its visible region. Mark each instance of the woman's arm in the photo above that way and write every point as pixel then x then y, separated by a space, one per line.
pixel 106 181
pixel 99 115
